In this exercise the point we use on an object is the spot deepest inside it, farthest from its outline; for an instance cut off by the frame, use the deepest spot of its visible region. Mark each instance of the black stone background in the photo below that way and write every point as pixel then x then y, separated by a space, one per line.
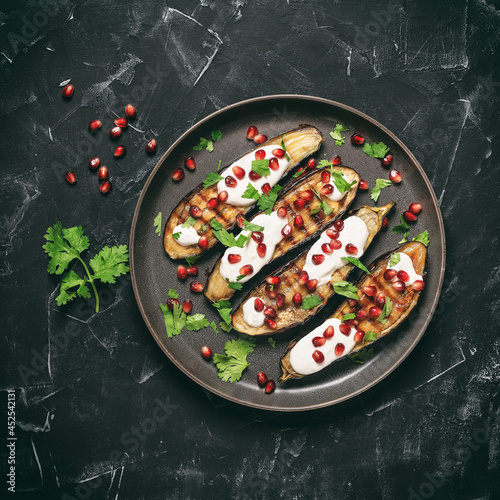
pixel 428 70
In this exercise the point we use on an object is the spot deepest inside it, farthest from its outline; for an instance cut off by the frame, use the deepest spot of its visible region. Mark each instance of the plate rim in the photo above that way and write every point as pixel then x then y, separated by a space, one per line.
pixel 298 97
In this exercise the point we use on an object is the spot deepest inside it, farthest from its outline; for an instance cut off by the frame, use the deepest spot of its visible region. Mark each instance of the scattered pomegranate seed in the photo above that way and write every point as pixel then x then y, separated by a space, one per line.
pixel 187 306
pixel 369 290
pixel 359 335
pixel 415 208
pixel 336 160
pixel 254 176
pixel 190 163
pixel 307 194
pixel 299 204
pixel 266 188
pixel 195 211
pixel 182 272
pixel 311 285
pixel 271 291
pixel 361 314
pixel 230 181
pixel 94 163
pixel 234 258
pixel 351 322
pixel 280 299
pixel 102 173
pixel 95 125
pixel 403 276
pixel 318 341
pixel 385 222
pixel 333 234
pixel 252 132
pixel 273 280
pixel 318 356
pixel 68 91
pixel 363 185
pixel 352 302
pixel 203 242
pixel 318 259
pixel 287 231
pixel 105 186
pixel 271 384
pixel 270 323
pixel 278 152
pixel 303 278
pixel 240 220
pixel 418 285
pixel 351 249
pixel 325 177
pixel 238 172
pixel 223 196
pixel 192 271
pixel 115 132
pixel 297 299
pixel 246 270
pixel 339 349
pixel 260 138
pixel 261 250
pixel 151 146
pixel 196 286
pixel 399 286
pixel 344 329
pixel 257 236
pixel 387 160
pixel 326 190
pixel 119 151
pixel 300 171
pixel 206 353
pixel 172 302
pixel 326 248
pixel 130 111
pixel 260 154
pixel 380 299
pixel 121 122
pixel 274 164
pixel 329 332
pixel 409 217
pixel 258 305
pixel 261 379
pixel 311 164
pixel 335 244
pixel 338 225
pixel 298 221
pixel 357 139
pixel 177 174
pixel 71 177
pixel 374 312
pixel 282 212
pixel 389 274
pixel 213 203
pixel 270 312
pixel 395 176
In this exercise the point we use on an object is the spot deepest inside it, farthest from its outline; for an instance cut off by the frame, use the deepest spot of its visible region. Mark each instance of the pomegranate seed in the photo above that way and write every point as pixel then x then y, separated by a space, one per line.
pixel 190 163
pixel 389 274
pixel 119 151
pixel 105 187
pixel 252 132
pixel 318 341
pixel 234 258
pixel 352 302
pixel 254 176
pixel 115 132
pixel 303 278
pixel 238 172
pixel 344 329
pixel 260 154
pixel 339 349
pixel 192 271
pixel 307 195
pixel 196 287
pixel 68 91
pixel 172 302
pixel 300 171
pixel 415 208
pixel 230 181
pixel 271 291
pixel 395 176
pixel 297 299
pixel 385 222
pixel 326 248
pixel 326 189
pixel 399 286
pixel 374 312
pixel 177 174
pixel 351 322
pixel 266 188
pixel 329 332
pixel 261 250
pixel 260 138
pixel 403 276
pixel 318 356
pixel 357 139
pixel 270 312
pixel 95 125
pixel 287 231
pixel 271 384
pixel 273 280
pixel 363 185
pixel 274 164
pixel 206 353
pixel 203 242
pixel 94 163
pixel 298 221
pixel 130 111
pixel 387 160
pixel 282 212
pixel 299 204
pixel 311 164
pixel 257 236
pixel 151 146
pixel 280 299
pixel 369 290
pixel 338 225
pixel 279 153
pixel 182 272
pixel 336 160
pixel 121 122
pixel 212 203
pixel 418 285
pixel 102 173
pixel 223 196
pixel 195 211
pixel 187 306
pixel 311 285
pixel 71 177
pixel 361 314
pixel 246 270
pixel 335 244
pixel 359 335
pixel 325 177
pixel 270 323
pixel 380 299
pixel 261 379
pixel 333 234
pixel 258 305
pixel 409 217
pixel 351 249
pixel 318 259
pixel 240 220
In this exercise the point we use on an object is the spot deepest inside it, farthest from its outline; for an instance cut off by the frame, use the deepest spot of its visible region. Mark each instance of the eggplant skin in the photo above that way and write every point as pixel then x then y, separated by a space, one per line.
pixel 403 303
pixel 300 143
pixel 290 315
pixel 218 287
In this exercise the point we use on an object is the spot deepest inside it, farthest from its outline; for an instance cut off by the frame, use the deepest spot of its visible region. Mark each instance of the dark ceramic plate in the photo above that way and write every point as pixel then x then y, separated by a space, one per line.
pixel 153 273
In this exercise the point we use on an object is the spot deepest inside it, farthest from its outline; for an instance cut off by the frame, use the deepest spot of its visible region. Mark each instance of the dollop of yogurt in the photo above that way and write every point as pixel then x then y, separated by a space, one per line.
pixel 406 264
pixel 187 235
pixel 252 317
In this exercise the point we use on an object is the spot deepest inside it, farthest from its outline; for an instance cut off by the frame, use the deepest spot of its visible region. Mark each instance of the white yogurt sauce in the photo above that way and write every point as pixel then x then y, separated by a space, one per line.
pixel 354 232
pixel 245 162
pixel 188 235
pixel 336 195
pixel 301 354
pixel 252 317
pixel 272 224
pixel 405 264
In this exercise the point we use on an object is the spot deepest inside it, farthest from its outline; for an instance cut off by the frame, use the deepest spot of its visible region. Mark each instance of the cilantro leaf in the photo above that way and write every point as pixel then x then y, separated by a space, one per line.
pixel 261 167
pixel 356 262
pixel 157 224
pixel 386 311
pixel 224 308
pixel 423 238
pixel 375 150
pixel 379 185
pixel 196 322
pixel 266 201
pixel 283 147
pixel 348 316
pixel 336 134
pixel 251 193
pixel 327 209
pixel 69 281
pixel 173 294
pixel 227 327
pixel 211 179
pixel 401 228
pixel 311 301
pixel 215 224
pixel 324 164
pixel 248 226
pixel 362 356
pixel 110 263
pixel 369 336
pixel 234 285
pixel 342 184
pixel 271 342
pixel 234 362
pixel 395 258
pixel 175 320
pixel 192 260
pixel 216 135
pixel 176 236
pixel 204 143
pixel 405 238
pixel 189 222
pixel 346 289
pixel 213 326
pixel 299 172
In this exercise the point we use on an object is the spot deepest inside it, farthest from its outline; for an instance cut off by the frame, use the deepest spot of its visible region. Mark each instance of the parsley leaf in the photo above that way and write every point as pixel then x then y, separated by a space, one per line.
pixel 266 201
pixel 342 184
pixel 224 308
pixel 216 135
pixel 395 258
pixel 173 294
pixel 379 185
pixel 336 134
pixel 401 228
pixel 327 209
pixel 375 150
pixel 423 238
pixel 251 193
pixel 157 224
pixel 311 301
pixel 211 179
pixel 362 356
pixel 189 222
pixel 248 226
pixel 196 322
pixel 356 262
pixel 271 342
pixel 386 311
pixel 346 289
pixel 232 365
pixel 261 167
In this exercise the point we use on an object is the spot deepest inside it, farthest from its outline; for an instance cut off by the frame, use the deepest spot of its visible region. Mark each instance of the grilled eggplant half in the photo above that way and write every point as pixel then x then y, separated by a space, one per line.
pixel 290 314
pixel 398 305
pixel 309 186
pixel 299 143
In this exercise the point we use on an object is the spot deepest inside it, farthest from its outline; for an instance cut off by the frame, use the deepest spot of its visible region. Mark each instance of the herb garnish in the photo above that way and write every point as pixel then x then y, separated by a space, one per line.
pixel 261 167
pixel 379 185
pixel 189 222
pixel 251 193
pixel 362 355
pixel 157 224
pixel 346 289
pixel 423 238
pixel 311 301
pixel 271 342
pixel 192 260
pixel 336 136
pixel 283 147
pixel 249 226
pixel 376 149
pixel 211 179
pixel 356 262
pixel 227 239
pixel 176 236
pixel 386 311
pixel 224 308
pixel 348 316
pixel 209 144
pixel 342 184
pixel 369 336
pixel 234 285
pixel 266 201
pixel 395 259
pixel 234 362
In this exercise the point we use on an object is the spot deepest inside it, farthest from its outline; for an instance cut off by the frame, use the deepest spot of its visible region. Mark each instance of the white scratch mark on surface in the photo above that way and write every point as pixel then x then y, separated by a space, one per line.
pixel 6 57
pixel 65 82
pixel 349 59
pixel 445 371
pixel 37 460
pixel 31 427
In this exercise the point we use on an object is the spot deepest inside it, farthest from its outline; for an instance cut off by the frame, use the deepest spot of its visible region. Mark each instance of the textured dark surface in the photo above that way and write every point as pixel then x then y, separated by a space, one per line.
pixel 427 70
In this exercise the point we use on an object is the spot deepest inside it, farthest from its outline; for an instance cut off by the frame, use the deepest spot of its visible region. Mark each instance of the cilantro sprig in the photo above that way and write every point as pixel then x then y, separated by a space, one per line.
pixel 157 224
pixel 227 239
pixel 346 289
pixel 261 167
pixel 402 228
pixel 208 144
pixel 336 134
pixel 311 301
pixel 386 311
pixel 356 262
pixel 395 259
pixel 211 179
pixel 340 182
pixel 379 185
pixel 376 149
pixel 65 245
pixel 232 365
pixel 423 238
pixel 362 355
